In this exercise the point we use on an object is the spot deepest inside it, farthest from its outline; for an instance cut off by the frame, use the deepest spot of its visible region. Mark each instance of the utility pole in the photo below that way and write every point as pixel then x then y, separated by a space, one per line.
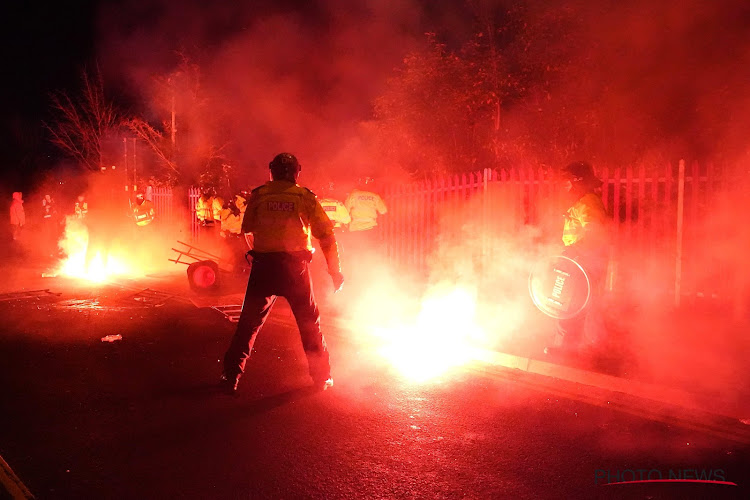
pixel 135 164
pixel 680 221
pixel 174 123
pixel 495 86
pixel 171 83
pixel 125 163
pixel 173 105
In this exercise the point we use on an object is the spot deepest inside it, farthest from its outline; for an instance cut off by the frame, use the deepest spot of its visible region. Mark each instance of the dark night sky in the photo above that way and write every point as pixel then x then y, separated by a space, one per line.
pixel 44 45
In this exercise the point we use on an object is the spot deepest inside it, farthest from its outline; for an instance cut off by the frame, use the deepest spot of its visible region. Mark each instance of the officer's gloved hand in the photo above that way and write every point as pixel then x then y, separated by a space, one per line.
pixel 338 280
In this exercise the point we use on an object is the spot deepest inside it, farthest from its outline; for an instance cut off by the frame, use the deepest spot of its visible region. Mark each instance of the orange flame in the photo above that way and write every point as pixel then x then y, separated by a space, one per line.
pixel 82 262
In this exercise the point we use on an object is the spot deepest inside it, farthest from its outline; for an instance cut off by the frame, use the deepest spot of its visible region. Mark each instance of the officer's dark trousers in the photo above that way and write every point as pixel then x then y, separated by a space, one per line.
pixel 571 333
pixel 288 276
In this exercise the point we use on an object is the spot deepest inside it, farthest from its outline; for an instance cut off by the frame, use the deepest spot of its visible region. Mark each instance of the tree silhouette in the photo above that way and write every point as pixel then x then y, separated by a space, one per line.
pixel 80 124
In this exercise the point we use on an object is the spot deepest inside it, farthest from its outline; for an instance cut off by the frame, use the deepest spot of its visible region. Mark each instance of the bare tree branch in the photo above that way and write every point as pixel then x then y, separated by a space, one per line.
pixel 154 139
pixel 79 125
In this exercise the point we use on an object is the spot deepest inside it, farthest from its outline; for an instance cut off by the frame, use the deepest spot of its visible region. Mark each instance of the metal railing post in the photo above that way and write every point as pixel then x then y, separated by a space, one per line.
pixel 680 217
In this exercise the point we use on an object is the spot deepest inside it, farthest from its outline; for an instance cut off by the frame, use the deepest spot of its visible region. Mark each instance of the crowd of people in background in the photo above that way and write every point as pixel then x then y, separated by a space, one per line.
pixel 356 213
pixel 50 222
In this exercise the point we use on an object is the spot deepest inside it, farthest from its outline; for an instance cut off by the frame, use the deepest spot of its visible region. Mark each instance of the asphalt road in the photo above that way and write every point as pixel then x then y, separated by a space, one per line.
pixel 141 418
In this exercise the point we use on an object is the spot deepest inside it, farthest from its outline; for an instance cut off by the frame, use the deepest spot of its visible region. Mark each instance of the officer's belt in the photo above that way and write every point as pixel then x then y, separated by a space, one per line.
pixel 299 256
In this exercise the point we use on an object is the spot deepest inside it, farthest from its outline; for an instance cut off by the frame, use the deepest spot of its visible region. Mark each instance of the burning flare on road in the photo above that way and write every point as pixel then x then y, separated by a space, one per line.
pixel 83 262
pixel 444 336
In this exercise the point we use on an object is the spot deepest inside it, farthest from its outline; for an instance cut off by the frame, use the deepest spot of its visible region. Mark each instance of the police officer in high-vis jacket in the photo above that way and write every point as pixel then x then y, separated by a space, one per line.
pixel 81 208
pixel 282 216
pixel 337 212
pixel 586 240
pixel 364 206
pixel 144 212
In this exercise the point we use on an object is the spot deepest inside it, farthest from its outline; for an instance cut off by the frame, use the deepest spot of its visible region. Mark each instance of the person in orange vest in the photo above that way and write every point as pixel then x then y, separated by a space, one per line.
pixel 144 212
pixel 282 217
pixel 585 240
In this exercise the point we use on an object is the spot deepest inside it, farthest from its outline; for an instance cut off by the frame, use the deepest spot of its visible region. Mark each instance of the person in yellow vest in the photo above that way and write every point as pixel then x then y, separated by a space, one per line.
pixel 204 208
pixel 143 210
pixel 240 201
pixel 50 224
pixel 231 231
pixel 217 205
pixel 335 210
pixel 364 206
pixel 231 217
pixel 585 240
pixel 48 208
pixel 338 214
pixel 81 208
pixel 363 237
pixel 282 217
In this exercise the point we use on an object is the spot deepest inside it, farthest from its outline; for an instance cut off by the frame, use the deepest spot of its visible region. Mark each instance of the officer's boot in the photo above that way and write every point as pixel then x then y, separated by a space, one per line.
pixel 229 383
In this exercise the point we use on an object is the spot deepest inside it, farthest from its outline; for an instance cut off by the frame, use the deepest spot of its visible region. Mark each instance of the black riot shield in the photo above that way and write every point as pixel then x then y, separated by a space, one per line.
pixel 559 287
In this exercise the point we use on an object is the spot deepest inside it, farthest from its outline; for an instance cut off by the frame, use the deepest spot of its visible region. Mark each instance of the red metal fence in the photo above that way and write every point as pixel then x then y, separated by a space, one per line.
pixel 657 220
pixel 163 203
pixel 193 194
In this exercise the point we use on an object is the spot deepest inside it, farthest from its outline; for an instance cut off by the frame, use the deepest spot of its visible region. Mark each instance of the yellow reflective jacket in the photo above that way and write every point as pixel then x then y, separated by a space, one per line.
pixel 240 202
pixel 364 207
pixel 586 223
pixel 204 208
pixel 144 213
pixel 81 209
pixel 282 216
pixel 336 211
pixel 216 207
pixel 230 222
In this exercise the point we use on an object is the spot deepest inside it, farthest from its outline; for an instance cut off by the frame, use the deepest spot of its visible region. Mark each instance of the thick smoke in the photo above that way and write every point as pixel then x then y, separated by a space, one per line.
pixel 701 344
pixel 271 78
pixel 642 82
pixel 633 81
pixel 660 80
